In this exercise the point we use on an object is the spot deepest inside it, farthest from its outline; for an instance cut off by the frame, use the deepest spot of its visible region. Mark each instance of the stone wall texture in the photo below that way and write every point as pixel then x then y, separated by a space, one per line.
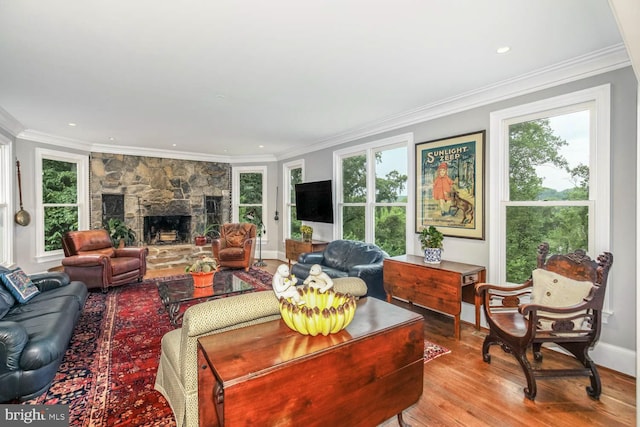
pixel 158 186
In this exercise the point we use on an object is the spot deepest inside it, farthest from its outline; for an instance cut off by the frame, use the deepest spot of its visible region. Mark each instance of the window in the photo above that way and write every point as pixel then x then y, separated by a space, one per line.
pixel 62 192
pixel 249 192
pixel 293 174
pixel 552 179
pixel 6 206
pixel 372 193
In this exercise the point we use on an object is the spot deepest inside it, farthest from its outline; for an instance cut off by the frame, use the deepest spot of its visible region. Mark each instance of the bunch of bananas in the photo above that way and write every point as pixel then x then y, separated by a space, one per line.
pixel 320 313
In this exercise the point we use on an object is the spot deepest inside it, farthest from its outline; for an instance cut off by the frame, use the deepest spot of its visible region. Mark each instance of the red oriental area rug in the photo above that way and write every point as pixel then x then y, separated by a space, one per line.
pixel 109 370
pixel 433 350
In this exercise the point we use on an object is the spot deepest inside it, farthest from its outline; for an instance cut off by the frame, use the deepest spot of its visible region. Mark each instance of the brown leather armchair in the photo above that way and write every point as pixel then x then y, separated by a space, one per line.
pixel 236 246
pixel 91 258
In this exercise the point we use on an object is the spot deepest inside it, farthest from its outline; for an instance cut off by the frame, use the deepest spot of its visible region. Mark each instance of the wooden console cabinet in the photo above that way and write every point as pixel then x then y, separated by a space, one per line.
pixel 293 248
pixel 267 374
pixel 440 287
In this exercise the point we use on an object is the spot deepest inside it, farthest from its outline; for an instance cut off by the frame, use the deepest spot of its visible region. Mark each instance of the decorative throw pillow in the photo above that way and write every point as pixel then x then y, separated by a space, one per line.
pixel 20 285
pixel 554 290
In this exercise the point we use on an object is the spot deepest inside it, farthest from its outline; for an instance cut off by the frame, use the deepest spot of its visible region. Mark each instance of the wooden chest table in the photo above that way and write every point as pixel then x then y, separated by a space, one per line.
pixel 440 287
pixel 267 374
pixel 293 248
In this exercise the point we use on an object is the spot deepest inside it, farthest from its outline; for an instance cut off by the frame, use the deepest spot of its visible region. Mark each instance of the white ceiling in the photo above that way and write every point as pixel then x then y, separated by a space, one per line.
pixel 222 77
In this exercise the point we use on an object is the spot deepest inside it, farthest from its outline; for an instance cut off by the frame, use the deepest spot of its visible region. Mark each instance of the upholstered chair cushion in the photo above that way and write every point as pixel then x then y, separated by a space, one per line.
pixel 554 290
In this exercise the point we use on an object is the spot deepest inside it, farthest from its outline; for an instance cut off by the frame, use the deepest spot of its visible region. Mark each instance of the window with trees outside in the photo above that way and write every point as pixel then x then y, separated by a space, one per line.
pixel 6 218
pixel 372 193
pixel 553 175
pixel 292 173
pixel 249 192
pixel 63 198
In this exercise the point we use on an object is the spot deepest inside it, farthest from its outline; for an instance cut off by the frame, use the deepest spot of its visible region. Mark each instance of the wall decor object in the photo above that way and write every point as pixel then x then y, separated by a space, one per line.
pixel 450 185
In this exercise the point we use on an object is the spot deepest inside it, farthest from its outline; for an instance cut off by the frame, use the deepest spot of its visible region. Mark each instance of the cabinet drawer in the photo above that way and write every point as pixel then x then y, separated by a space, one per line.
pixel 469 279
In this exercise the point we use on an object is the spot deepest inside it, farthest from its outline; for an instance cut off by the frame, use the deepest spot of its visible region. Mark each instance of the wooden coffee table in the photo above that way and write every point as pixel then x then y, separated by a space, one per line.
pixel 175 292
pixel 267 374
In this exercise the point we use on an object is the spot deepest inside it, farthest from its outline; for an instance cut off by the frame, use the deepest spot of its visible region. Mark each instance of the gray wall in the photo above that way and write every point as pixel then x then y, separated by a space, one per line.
pixel 619 333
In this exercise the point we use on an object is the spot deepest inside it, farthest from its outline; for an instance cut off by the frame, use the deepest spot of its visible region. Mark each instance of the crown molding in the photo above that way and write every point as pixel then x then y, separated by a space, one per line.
pixel 594 63
pixel 10 123
pixel 58 141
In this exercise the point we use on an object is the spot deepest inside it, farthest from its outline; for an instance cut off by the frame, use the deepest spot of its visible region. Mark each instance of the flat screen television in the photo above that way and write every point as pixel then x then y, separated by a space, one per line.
pixel 314 201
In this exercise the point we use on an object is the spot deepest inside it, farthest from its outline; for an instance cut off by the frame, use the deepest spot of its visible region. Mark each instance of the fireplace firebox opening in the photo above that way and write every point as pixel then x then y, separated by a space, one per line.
pixel 169 229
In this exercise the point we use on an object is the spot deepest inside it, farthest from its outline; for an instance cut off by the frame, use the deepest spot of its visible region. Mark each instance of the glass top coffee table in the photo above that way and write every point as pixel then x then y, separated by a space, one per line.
pixel 176 291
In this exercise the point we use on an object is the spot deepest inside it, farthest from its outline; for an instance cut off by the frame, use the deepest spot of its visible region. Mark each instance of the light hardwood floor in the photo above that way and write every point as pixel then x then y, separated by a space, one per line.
pixel 462 390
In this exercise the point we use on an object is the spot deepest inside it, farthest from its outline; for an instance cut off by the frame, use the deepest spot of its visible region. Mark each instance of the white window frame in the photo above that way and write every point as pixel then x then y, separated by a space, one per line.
pixel 82 165
pixel 235 194
pixel 369 149
pixel 599 188
pixel 6 202
pixel 286 194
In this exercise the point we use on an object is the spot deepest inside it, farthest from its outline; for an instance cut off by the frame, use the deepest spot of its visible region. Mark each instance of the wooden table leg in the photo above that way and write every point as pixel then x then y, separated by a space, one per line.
pixel 478 303
pixel 401 421
pixel 456 325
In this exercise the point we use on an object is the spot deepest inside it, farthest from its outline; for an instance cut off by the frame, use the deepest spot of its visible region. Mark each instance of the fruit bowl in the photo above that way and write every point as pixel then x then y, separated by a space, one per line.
pixel 318 313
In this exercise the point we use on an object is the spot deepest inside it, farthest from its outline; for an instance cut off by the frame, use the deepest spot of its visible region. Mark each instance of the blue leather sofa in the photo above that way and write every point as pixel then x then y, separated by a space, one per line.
pixel 34 335
pixel 347 258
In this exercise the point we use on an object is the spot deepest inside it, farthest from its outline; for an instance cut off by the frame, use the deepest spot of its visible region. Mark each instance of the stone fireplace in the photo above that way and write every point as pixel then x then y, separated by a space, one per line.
pixel 165 201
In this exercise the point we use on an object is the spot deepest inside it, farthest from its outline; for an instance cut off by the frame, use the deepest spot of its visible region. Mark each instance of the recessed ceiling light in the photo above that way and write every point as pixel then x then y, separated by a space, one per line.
pixel 260 146
pixel 503 49
pixel 175 145
pixel 72 124
pixel 111 138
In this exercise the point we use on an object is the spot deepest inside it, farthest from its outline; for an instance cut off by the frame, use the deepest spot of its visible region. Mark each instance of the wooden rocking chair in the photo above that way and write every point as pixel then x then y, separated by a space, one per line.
pixel 561 304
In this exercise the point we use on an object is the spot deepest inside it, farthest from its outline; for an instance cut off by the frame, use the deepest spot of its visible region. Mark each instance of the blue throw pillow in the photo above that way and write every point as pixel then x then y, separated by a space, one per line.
pixel 20 286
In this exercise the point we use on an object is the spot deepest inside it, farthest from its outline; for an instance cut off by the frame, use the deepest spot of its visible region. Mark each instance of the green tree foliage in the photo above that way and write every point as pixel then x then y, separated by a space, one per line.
pixel 354 179
pixel 59 187
pixel 389 220
pixel 565 228
pixel 251 199
pixel 390 229
pixel 251 188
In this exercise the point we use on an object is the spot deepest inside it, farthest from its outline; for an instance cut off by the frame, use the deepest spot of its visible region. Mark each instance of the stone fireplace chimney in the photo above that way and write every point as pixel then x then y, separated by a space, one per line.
pixel 168 196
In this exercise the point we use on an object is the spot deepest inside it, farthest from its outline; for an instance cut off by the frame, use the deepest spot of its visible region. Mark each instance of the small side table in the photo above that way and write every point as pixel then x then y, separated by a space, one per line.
pixel 293 248
pixel 440 287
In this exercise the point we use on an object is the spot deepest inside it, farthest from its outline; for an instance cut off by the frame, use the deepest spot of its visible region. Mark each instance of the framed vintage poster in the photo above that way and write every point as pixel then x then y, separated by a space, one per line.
pixel 450 185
